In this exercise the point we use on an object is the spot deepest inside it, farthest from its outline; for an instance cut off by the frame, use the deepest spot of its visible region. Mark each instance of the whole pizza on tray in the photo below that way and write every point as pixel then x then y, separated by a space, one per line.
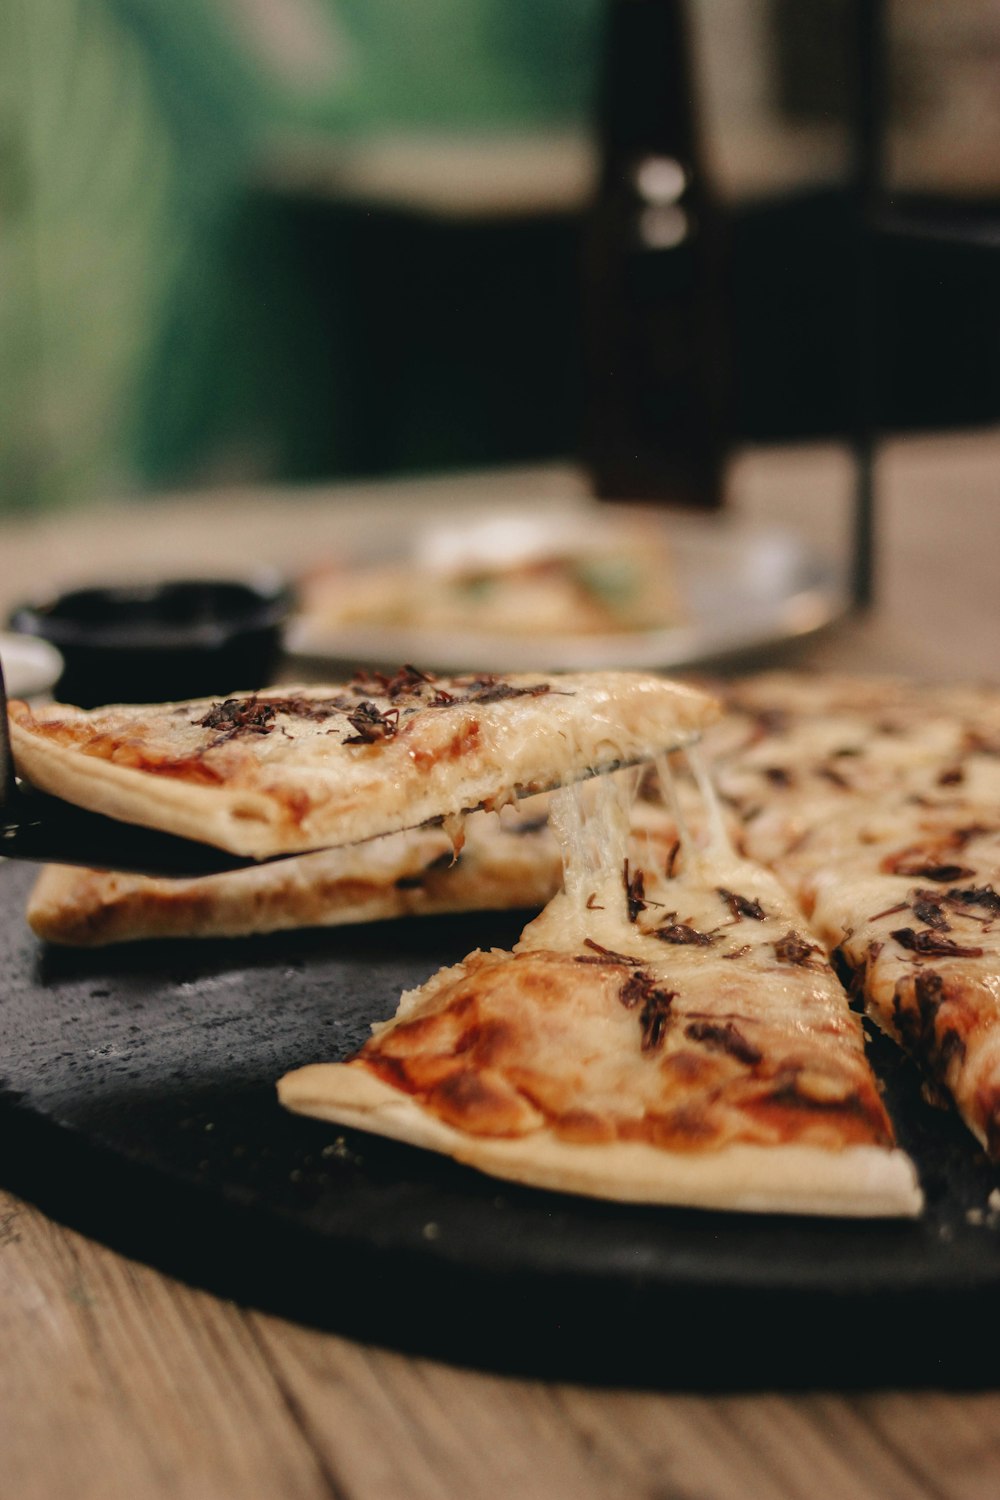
pixel 679 1023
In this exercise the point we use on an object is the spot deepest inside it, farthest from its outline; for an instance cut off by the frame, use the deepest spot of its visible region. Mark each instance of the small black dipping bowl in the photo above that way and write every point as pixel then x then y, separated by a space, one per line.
pixel 186 638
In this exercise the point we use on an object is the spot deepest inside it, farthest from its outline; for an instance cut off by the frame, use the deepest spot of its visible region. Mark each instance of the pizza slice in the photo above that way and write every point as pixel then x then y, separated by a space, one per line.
pixel 507 859
pixel 663 1032
pixel 302 768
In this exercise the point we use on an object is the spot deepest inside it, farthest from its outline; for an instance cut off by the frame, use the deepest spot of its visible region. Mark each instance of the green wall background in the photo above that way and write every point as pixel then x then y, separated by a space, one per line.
pixel 154 325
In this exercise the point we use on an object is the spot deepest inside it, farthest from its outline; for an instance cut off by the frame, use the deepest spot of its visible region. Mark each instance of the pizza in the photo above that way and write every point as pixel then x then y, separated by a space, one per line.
pixel 281 772
pixel 853 855
pixel 665 1033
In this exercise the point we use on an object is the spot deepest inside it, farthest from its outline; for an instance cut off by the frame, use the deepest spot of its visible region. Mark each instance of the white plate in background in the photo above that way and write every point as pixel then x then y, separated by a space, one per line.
pixel 30 666
pixel 744 587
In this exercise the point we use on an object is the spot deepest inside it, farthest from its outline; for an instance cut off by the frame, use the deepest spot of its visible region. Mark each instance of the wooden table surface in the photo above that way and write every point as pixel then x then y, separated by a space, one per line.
pixel 120 1383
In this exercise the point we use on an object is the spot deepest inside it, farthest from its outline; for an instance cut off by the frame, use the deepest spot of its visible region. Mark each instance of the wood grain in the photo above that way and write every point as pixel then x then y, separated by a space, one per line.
pixel 119 1382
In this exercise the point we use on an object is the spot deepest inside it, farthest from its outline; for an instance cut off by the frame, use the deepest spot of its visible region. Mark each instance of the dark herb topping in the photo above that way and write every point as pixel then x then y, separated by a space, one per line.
pixel 408 679
pixel 742 906
pixel 837 778
pixel 951 776
pixel 794 949
pixel 641 990
pixel 984 896
pixel 739 952
pixel 916 1021
pixel 932 944
pixel 654 1019
pixel 925 868
pixel 308 708
pixel 933 863
pixel 778 775
pixel 606 955
pixel 724 1038
pixel 371 725
pixel 635 892
pixel 675 849
pixel 494 692
pixel 238 716
pixel 681 934
pixel 592 902
pixel 927 908
pixel 890 911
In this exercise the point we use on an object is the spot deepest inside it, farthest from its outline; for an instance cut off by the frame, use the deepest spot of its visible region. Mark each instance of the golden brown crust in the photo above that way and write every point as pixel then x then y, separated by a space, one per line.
pixel 860 1181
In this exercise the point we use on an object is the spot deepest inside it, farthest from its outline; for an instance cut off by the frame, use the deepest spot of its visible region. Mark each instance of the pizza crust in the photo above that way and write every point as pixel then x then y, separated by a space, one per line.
pixel 856 1182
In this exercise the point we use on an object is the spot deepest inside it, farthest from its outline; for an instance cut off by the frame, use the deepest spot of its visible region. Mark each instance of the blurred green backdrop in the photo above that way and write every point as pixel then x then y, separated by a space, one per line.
pixel 292 239
pixel 174 304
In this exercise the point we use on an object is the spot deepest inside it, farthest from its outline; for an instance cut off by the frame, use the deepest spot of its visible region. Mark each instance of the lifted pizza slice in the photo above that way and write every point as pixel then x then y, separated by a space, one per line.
pixel 290 770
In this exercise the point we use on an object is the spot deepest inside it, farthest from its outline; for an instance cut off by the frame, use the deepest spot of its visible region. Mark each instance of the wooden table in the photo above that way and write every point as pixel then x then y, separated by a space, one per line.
pixel 117 1382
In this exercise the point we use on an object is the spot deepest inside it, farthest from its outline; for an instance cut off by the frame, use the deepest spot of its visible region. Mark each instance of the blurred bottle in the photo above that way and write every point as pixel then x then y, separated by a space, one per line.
pixel 657 365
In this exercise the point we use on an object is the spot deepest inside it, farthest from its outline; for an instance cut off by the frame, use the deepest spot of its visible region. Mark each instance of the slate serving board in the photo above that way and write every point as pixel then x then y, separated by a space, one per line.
pixel 137 1104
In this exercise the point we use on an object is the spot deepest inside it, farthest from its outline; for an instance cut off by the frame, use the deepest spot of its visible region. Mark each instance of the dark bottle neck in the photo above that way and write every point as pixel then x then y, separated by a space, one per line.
pixel 656 411
pixel 647 106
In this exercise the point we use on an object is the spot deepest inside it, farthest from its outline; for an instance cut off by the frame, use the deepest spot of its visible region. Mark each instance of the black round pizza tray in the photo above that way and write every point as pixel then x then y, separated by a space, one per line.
pixel 137 1104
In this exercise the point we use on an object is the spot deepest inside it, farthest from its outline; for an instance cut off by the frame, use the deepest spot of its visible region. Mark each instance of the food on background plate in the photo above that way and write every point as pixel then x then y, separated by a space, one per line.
pixel 514 575
pixel 302 768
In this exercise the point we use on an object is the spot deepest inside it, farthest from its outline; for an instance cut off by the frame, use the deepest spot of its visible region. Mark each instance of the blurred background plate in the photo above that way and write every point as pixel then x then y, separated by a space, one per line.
pixel 743 588
pixel 30 666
